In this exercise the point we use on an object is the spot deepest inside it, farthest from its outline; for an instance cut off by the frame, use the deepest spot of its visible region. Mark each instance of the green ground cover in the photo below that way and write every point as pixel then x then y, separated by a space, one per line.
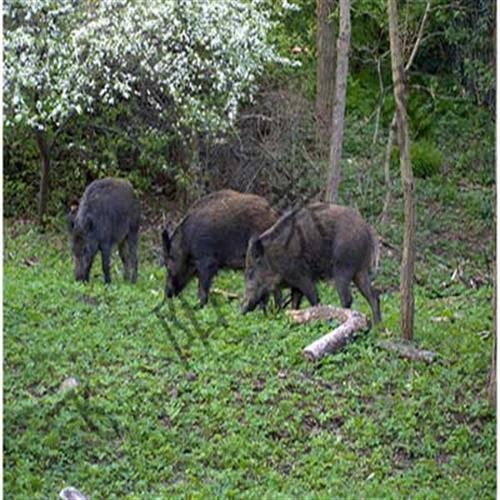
pixel 206 403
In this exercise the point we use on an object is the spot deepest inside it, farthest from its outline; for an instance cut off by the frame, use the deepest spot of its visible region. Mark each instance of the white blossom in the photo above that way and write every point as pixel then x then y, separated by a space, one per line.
pixel 201 57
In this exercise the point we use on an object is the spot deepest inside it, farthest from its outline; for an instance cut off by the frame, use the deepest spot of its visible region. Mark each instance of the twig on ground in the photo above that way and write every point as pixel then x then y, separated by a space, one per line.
pixel 227 295
pixel 409 352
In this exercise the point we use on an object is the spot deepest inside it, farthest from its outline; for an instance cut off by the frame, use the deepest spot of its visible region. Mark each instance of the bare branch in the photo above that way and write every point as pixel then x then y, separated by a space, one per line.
pixel 419 36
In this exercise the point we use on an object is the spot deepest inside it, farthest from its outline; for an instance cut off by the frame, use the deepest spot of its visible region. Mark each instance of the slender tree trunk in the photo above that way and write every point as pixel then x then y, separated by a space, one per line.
pixel 332 188
pixel 408 260
pixel 325 72
pixel 492 381
pixel 43 195
pixel 387 172
pixel 390 138
pixel 187 156
pixel 196 168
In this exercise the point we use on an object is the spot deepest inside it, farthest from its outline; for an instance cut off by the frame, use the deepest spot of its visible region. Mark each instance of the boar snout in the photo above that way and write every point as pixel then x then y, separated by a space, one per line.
pixel 248 306
pixel 173 287
pixel 82 276
pixel 171 292
pixel 82 270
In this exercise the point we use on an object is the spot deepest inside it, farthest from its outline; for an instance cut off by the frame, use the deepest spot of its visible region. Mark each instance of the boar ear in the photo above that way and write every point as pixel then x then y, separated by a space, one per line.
pixel 70 216
pixel 165 238
pixel 257 248
pixel 73 207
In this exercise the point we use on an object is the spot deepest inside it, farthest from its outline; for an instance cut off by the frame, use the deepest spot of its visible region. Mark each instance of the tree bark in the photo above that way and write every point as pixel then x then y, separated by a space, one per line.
pixel 337 137
pixel 325 72
pixel 407 304
pixel 43 195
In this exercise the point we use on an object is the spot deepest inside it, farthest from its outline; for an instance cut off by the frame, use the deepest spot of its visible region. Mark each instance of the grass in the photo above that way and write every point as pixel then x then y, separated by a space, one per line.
pixel 206 403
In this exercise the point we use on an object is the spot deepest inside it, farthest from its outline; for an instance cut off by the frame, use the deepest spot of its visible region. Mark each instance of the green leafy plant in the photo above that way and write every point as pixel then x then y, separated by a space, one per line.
pixel 426 158
pixel 207 403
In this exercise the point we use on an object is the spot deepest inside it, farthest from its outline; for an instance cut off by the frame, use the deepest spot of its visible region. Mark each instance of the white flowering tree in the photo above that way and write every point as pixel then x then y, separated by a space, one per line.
pixel 191 61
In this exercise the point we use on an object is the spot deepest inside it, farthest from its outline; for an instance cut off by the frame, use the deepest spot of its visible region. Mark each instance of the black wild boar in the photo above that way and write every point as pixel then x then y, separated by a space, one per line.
pixel 319 241
pixel 108 214
pixel 213 235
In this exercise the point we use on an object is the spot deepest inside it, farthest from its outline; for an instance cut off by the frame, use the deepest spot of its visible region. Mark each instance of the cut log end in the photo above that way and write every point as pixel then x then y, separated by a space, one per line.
pixel 309 355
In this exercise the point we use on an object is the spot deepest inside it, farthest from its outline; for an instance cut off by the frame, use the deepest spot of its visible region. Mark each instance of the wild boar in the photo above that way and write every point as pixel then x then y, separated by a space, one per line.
pixel 319 241
pixel 213 235
pixel 108 214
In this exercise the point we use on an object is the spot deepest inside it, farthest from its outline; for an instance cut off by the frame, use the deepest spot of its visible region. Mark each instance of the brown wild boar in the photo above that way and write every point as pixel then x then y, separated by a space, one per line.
pixel 213 235
pixel 319 241
pixel 108 214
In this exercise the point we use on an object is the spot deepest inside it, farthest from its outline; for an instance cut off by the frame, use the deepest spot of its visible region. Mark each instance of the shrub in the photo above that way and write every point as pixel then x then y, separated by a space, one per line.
pixel 426 158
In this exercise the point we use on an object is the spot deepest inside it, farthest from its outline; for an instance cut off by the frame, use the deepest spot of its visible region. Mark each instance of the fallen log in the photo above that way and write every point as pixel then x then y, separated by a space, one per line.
pixel 352 322
pixel 409 352
pixel 321 311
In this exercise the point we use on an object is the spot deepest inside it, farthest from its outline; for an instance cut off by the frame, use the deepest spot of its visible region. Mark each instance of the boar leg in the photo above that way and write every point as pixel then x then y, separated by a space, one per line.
pixel 132 238
pixel 278 298
pixel 296 298
pixel 263 303
pixel 106 259
pixel 307 287
pixel 362 281
pixel 123 250
pixel 343 285
pixel 207 269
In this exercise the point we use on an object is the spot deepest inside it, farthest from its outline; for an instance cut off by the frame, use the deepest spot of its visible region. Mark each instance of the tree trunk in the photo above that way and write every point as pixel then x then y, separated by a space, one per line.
pixel 43 195
pixel 492 381
pixel 189 184
pixel 387 172
pixel 196 169
pixel 408 260
pixel 325 72
pixel 390 138
pixel 332 188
